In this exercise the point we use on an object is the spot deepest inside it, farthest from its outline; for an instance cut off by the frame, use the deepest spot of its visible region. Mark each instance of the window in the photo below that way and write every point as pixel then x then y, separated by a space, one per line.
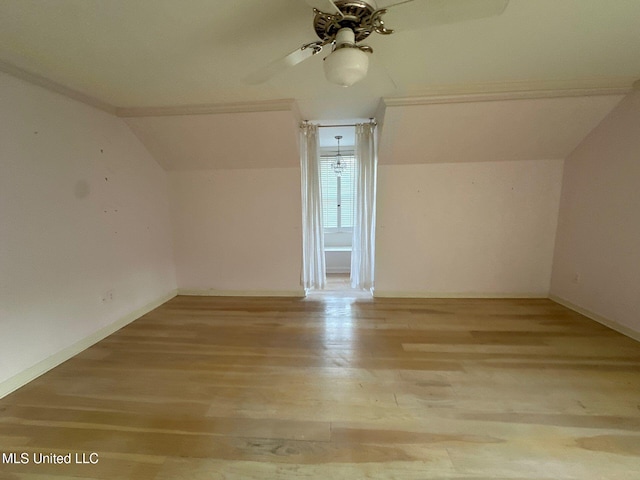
pixel 337 193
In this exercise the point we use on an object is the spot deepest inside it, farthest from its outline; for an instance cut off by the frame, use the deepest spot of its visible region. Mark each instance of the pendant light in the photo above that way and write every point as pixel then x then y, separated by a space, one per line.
pixel 337 165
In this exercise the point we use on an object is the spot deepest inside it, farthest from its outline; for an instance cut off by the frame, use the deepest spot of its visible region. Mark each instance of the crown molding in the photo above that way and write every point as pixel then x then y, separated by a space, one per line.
pixel 288 105
pixel 497 96
pixel 240 107
pixel 55 87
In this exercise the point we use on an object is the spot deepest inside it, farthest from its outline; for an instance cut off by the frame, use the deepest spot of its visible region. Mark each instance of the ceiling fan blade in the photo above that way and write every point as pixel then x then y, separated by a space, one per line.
pixel 325 6
pixel 275 67
pixel 416 14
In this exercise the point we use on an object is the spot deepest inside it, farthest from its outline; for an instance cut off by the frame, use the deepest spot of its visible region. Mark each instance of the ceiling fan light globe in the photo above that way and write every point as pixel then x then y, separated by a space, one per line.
pixel 346 66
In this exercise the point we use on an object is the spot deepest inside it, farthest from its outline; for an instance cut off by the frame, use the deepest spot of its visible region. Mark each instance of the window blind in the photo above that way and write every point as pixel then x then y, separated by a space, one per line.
pixel 337 193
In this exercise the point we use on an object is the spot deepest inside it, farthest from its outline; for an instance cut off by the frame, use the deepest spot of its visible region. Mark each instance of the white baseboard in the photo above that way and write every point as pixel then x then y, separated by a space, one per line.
pixel 612 324
pixel 401 294
pixel 211 292
pixel 56 359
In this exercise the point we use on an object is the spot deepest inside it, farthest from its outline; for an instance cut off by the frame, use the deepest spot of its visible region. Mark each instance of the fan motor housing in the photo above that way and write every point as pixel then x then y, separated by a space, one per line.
pixel 356 13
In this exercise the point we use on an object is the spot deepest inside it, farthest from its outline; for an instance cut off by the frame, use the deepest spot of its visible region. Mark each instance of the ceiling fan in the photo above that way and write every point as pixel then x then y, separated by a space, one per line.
pixel 343 24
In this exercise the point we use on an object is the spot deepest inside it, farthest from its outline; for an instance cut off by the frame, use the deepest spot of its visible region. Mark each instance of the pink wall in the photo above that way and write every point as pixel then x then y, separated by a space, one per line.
pixel 235 199
pixel 466 229
pixel 597 257
pixel 237 231
pixel 83 211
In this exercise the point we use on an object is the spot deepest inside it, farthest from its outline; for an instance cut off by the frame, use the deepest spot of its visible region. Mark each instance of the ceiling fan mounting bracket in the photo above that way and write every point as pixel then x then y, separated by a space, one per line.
pixel 358 15
pixel 375 20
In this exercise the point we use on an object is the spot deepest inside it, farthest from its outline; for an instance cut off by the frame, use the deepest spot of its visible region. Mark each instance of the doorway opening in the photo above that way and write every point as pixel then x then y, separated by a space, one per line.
pixel 338 185
pixel 338 165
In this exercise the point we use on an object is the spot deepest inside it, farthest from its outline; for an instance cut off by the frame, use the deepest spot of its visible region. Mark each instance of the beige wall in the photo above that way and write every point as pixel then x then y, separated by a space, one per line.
pixel 467 229
pixel 597 257
pixel 238 231
pixel 83 211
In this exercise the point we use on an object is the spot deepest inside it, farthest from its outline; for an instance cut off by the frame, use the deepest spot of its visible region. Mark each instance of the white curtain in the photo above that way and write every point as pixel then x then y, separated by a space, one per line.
pixel 313 263
pixel 364 222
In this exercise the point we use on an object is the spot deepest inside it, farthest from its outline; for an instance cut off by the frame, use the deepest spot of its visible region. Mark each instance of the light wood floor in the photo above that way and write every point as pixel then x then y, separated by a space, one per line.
pixel 338 285
pixel 322 388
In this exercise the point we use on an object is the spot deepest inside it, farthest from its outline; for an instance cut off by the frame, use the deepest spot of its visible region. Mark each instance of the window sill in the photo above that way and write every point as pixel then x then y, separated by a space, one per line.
pixel 337 249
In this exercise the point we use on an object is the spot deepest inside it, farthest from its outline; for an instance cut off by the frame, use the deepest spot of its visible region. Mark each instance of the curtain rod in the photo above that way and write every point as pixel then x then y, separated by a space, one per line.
pixel 371 121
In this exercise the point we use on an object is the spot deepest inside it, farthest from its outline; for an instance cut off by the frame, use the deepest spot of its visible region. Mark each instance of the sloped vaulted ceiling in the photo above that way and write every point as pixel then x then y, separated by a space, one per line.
pixel 470 131
pixel 498 130
pixel 220 140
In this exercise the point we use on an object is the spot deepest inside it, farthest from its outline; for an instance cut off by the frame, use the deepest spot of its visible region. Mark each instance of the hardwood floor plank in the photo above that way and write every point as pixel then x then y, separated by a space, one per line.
pixel 436 468
pixel 183 424
pixel 339 387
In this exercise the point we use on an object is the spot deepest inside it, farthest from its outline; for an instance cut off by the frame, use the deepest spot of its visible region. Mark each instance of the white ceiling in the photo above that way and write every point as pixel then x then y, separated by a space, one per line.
pixel 157 53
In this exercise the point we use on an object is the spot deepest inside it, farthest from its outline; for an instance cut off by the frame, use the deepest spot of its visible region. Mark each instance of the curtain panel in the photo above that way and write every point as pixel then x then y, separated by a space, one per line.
pixel 313 260
pixel 364 222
